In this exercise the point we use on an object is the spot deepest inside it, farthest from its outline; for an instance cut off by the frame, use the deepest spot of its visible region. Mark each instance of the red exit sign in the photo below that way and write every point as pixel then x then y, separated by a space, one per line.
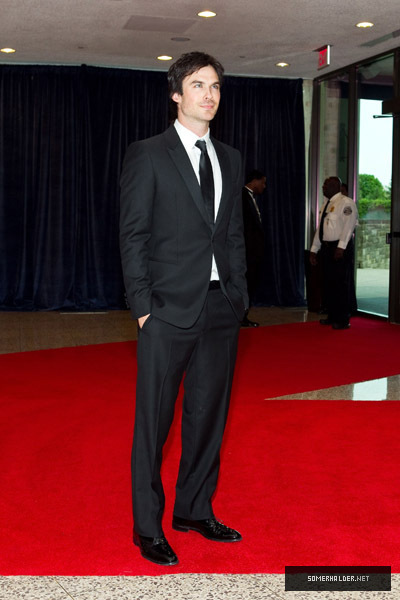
pixel 324 56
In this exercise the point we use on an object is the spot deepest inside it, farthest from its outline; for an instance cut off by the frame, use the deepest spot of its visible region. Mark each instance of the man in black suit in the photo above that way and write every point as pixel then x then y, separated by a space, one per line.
pixel 253 234
pixel 183 257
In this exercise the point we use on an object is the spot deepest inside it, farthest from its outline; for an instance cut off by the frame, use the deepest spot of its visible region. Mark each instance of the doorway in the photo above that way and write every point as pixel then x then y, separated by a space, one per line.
pixel 374 176
pixel 352 137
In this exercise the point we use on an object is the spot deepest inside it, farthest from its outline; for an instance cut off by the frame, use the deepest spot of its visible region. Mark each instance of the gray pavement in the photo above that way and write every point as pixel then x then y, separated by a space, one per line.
pixel 372 290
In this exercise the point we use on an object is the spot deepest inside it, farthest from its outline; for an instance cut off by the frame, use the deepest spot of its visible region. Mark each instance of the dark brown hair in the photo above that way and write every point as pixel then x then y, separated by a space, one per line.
pixel 254 174
pixel 189 63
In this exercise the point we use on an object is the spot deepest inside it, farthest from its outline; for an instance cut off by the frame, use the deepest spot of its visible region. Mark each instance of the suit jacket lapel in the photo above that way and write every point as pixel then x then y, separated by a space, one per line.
pixel 182 162
pixel 257 218
pixel 227 178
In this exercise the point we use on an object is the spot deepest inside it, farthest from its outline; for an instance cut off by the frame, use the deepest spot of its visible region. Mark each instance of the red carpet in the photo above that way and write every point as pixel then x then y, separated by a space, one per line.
pixel 305 482
pixel 290 359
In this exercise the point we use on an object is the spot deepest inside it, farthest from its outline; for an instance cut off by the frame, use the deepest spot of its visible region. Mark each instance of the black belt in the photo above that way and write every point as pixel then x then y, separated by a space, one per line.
pixel 214 285
pixel 330 243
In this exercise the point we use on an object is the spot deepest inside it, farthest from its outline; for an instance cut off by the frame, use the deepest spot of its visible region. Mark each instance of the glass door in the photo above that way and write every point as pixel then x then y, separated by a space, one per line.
pixel 375 142
pixel 334 132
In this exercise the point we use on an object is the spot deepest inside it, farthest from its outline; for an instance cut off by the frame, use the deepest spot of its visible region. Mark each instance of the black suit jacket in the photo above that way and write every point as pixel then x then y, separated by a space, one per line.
pixel 165 238
pixel 253 229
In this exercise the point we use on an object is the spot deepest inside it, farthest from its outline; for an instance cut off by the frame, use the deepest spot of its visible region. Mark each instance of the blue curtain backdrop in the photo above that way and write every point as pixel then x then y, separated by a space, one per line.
pixel 63 135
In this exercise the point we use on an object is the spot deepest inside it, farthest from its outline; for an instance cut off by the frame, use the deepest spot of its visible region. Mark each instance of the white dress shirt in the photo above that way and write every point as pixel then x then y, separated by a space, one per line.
pixel 254 201
pixel 340 221
pixel 189 139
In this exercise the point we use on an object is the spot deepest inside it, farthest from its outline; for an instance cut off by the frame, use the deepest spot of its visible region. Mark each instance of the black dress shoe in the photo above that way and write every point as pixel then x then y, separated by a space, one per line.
pixel 157 550
pixel 340 325
pixel 209 528
pixel 325 322
pixel 247 323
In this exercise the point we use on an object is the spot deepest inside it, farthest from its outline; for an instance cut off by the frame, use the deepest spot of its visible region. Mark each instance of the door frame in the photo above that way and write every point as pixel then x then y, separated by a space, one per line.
pixel 312 205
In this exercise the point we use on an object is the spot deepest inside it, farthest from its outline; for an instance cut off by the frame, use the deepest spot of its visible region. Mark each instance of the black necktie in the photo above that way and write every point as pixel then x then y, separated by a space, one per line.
pixel 206 179
pixel 321 224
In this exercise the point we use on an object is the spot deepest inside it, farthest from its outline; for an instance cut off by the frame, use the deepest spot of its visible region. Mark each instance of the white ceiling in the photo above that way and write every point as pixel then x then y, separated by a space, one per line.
pixel 247 37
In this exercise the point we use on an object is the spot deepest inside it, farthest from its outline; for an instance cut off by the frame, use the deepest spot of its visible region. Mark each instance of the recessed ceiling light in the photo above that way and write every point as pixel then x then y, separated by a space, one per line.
pixel 282 65
pixel 364 24
pixel 164 57
pixel 206 14
pixel 7 50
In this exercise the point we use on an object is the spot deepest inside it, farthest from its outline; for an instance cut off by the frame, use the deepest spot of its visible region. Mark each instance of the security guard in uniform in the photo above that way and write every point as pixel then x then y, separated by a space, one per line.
pixel 334 240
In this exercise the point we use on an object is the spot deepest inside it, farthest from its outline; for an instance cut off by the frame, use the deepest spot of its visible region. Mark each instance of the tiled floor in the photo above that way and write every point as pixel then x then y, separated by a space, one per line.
pixel 24 331
pixel 172 587
pixel 20 332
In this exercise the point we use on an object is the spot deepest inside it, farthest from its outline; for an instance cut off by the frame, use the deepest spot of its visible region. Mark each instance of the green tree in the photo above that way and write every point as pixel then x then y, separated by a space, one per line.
pixel 388 190
pixel 370 187
pixel 372 195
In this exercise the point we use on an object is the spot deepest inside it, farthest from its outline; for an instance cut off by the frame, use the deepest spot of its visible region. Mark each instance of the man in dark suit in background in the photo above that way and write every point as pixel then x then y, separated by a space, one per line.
pixel 183 257
pixel 253 234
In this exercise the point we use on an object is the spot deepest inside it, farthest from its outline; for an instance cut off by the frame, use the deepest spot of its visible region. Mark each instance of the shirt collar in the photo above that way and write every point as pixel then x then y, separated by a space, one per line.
pixel 188 138
pixel 335 197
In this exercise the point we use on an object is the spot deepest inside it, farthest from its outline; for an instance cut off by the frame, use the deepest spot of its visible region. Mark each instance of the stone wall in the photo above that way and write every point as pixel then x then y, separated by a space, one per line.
pixel 330 109
pixel 372 249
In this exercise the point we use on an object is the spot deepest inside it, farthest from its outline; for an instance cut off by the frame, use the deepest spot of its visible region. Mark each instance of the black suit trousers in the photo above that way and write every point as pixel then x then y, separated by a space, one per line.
pixel 205 353
pixel 338 282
